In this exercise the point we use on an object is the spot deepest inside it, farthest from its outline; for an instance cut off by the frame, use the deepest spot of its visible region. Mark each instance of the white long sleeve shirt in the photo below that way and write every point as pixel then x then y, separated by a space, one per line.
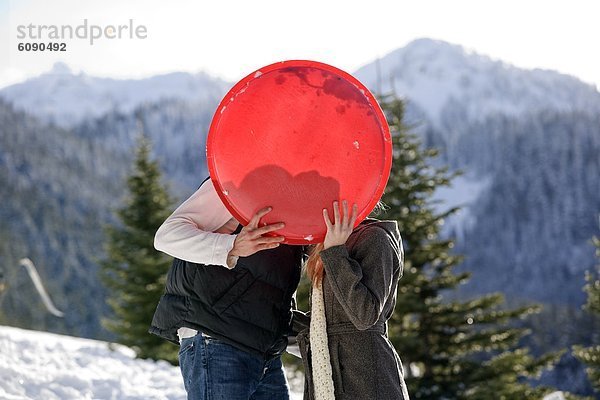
pixel 199 230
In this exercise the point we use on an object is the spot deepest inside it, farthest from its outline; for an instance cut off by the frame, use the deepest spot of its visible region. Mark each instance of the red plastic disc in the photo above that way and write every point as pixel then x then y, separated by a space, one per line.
pixel 297 135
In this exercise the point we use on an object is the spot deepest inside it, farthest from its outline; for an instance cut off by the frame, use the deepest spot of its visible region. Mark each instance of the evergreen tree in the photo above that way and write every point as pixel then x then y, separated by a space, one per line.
pixel 591 355
pixel 451 349
pixel 135 272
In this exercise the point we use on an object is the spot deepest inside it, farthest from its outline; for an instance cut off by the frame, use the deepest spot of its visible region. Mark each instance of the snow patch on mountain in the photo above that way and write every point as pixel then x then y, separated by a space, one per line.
pixel 463 192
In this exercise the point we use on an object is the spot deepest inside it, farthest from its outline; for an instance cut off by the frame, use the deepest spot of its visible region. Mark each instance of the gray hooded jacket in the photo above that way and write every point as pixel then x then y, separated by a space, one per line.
pixel 359 289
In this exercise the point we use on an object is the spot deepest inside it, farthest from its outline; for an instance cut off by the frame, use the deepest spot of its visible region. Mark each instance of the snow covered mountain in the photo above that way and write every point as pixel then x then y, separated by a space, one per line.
pixel 445 81
pixel 441 80
pixel 40 365
pixel 65 98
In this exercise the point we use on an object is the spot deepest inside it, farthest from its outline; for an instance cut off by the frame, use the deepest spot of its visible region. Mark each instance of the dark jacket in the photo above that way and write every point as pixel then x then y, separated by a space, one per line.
pixel 359 289
pixel 249 306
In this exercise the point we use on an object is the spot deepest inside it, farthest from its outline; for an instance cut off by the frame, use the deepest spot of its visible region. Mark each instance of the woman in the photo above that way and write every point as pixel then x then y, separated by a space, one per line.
pixel 355 275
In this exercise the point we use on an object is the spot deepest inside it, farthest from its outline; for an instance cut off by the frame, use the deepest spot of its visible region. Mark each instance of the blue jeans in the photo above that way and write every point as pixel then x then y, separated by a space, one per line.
pixel 215 370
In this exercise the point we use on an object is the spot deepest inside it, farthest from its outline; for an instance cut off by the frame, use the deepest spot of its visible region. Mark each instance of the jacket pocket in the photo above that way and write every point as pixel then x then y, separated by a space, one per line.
pixel 336 368
pixel 242 283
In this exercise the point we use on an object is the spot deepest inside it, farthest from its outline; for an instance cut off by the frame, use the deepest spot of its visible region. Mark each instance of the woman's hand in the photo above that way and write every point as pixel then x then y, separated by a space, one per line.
pixel 340 230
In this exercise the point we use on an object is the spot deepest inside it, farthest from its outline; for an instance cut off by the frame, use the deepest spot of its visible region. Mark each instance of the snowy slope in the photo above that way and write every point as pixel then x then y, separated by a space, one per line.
pixel 40 365
pixel 438 76
pixel 463 192
pixel 67 98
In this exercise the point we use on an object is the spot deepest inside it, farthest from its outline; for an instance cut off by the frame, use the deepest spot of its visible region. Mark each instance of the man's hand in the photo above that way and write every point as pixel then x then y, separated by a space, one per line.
pixel 340 230
pixel 251 240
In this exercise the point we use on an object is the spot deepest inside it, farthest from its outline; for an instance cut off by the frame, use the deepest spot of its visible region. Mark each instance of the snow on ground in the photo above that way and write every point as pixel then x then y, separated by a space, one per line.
pixel 46 366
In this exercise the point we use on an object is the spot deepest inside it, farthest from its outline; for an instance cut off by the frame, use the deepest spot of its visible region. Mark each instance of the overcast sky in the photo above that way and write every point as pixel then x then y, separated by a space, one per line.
pixel 231 38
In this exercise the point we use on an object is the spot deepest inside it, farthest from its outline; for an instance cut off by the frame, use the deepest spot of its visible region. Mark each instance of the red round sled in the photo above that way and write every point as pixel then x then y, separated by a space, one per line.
pixel 297 135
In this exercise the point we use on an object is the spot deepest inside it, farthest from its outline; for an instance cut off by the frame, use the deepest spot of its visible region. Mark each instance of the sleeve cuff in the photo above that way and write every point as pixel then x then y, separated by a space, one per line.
pixel 223 246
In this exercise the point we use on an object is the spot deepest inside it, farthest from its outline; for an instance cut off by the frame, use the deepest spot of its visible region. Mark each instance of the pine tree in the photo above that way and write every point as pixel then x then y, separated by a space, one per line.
pixel 451 349
pixel 134 272
pixel 591 355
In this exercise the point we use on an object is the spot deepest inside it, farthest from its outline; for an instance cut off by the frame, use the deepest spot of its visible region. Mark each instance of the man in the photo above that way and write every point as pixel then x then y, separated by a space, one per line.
pixel 228 299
